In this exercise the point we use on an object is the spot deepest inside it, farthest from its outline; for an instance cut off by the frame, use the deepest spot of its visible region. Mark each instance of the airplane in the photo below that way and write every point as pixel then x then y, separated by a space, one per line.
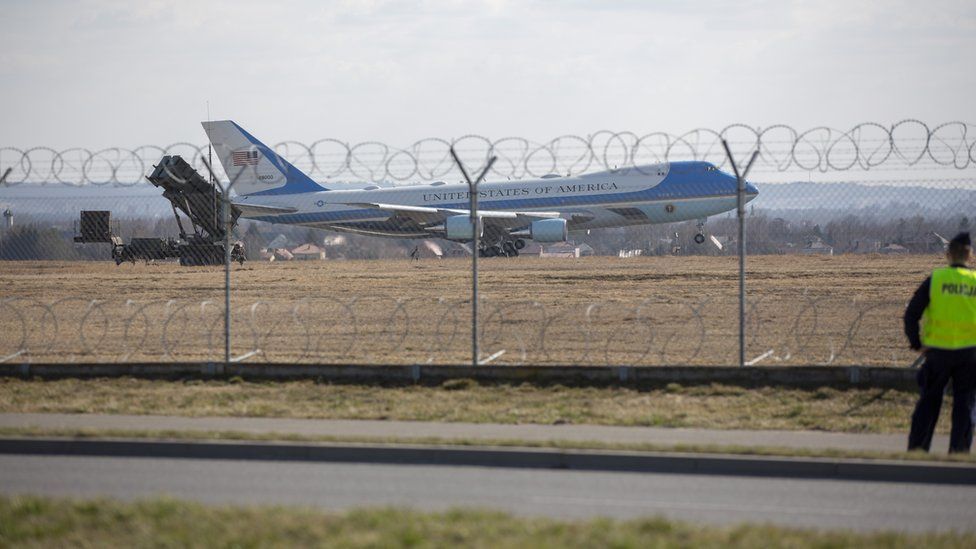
pixel 546 210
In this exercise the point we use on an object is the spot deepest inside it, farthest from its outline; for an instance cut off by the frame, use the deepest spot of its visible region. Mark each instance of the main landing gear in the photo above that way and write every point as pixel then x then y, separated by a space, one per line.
pixel 700 237
pixel 509 248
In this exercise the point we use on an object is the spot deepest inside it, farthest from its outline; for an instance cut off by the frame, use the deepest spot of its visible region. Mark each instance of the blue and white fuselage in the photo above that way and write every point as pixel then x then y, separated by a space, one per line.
pixel 271 189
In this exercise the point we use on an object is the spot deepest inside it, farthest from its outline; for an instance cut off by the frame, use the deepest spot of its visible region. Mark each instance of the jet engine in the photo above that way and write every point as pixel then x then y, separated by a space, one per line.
pixel 549 230
pixel 458 227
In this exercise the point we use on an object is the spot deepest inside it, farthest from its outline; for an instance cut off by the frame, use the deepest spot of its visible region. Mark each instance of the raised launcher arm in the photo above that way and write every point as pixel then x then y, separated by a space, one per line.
pixel 193 195
pixel 200 201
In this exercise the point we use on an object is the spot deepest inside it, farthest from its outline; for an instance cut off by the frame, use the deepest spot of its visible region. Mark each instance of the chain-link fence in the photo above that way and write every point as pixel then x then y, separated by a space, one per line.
pixel 845 225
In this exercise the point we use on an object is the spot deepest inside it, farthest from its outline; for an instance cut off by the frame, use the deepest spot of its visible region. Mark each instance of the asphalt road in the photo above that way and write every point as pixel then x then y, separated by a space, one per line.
pixel 557 493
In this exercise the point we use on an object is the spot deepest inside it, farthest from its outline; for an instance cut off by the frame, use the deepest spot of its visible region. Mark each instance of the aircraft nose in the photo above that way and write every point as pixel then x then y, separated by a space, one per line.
pixel 751 191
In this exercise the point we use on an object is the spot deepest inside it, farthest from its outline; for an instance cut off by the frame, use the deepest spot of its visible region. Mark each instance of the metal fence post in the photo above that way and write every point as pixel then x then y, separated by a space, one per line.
pixel 475 248
pixel 3 179
pixel 227 230
pixel 741 214
pixel 475 251
pixel 228 224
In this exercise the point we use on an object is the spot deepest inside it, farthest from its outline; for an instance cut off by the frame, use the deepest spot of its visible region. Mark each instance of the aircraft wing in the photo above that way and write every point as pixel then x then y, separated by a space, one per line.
pixel 250 210
pixel 425 216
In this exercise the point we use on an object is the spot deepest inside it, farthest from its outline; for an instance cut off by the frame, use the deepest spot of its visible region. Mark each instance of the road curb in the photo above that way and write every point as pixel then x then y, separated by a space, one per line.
pixel 775 376
pixel 541 458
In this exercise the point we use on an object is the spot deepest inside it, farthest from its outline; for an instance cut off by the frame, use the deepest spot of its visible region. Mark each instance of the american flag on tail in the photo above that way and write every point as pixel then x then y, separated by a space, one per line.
pixel 245 158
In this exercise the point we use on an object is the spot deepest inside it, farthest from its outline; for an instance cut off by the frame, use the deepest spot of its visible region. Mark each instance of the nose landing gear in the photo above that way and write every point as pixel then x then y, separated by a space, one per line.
pixel 700 237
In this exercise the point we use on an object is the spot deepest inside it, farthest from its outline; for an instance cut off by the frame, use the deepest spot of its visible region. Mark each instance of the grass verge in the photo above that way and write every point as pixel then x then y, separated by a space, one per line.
pixel 770 451
pixel 855 410
pixel 33 521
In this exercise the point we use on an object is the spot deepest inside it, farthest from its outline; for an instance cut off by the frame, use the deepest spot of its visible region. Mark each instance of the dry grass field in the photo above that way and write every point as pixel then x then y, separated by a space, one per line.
pixel 598 310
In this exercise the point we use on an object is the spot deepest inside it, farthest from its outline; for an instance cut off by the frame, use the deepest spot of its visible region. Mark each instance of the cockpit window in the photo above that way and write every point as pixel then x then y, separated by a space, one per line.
pixel 711 169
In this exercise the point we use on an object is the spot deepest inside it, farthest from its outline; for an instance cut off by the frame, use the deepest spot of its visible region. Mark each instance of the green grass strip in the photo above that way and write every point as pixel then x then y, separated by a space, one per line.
pixel 715 406
pixel 46 522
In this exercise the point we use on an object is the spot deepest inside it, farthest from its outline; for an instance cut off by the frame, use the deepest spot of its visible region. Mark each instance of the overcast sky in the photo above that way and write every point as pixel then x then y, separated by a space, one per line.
pixel 106 73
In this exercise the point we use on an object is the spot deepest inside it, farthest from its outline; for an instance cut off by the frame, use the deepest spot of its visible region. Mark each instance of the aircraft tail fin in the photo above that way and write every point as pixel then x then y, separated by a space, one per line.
pixel 252 166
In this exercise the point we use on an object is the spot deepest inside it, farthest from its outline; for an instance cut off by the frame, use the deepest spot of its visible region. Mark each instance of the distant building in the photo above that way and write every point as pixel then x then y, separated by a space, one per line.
pixel 566 249
pixel 630 253
pixel 427 249
pixel 308 252
pixel 894 249
pixel 866 246
pixel 817 247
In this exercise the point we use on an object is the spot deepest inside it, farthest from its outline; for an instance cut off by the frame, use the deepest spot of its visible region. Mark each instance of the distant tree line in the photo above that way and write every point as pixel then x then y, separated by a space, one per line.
pixel 36 243
pixel 770 234
pixel 766 234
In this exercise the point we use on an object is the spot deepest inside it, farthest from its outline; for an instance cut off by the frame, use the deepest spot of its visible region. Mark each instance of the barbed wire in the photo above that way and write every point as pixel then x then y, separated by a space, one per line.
pixel 865 146
pixel 655 331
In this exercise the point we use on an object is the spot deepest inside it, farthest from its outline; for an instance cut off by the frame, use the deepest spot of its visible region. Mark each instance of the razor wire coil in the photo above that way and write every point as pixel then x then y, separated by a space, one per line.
pixel 653 331
pixel 865 146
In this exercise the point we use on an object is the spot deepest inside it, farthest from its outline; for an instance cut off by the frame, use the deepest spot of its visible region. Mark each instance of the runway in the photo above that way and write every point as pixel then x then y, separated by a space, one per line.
pixel 712 499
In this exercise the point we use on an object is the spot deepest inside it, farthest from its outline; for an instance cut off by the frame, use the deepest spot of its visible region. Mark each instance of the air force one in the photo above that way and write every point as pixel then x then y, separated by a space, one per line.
pixel 271 189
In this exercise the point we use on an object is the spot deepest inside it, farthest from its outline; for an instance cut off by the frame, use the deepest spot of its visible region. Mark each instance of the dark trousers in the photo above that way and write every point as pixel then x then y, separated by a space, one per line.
pixel 940 366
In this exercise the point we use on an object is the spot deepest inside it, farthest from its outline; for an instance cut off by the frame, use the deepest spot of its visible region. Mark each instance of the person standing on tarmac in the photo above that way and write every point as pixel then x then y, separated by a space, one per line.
pixel 947 302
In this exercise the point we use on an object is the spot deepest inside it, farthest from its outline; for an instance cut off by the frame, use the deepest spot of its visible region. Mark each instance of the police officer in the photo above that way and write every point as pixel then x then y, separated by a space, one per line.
pixel 947 301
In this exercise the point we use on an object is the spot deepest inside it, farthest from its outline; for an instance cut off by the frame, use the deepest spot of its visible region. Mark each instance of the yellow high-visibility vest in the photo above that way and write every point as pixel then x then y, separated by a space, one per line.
pixel 950 318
